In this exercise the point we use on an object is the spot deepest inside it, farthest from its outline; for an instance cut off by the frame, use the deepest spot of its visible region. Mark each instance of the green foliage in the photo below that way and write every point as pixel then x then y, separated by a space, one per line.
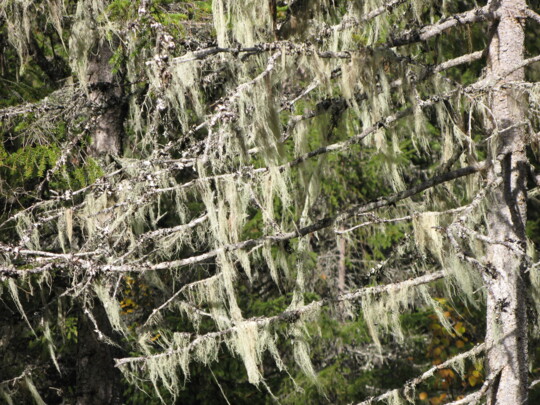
pixel 74 177
pixel 162 113
pixel 27 164
pixel 121 10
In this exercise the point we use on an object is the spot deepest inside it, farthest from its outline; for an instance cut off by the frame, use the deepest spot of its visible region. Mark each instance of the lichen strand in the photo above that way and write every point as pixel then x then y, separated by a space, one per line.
pixel 112 307
pixel 428 235
pixel 241 168
pixel 381 313
pixel 429 228
pixel 246 22
pixel 20 15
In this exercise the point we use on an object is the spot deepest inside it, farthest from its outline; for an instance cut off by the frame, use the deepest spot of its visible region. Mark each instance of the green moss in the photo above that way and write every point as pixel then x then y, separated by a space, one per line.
pixel 121 10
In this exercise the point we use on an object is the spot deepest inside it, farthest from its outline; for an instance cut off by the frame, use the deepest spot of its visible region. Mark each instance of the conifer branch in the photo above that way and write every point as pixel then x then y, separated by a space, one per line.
pixel 292 315
pixel 250 243
pixel 183 162
pixel 317 226
pixel 338 146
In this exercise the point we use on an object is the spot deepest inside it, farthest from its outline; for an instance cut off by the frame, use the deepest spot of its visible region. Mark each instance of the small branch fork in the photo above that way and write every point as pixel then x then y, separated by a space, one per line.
pixel 408 388
pixel 27 371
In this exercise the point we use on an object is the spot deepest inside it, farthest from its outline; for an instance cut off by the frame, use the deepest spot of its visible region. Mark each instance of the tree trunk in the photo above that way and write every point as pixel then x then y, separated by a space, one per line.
pixel 105 93
pixel 98 380
pixel 506 334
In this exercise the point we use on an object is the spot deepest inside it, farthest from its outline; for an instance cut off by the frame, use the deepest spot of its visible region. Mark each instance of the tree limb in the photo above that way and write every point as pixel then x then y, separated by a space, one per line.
pixel 429 31
pixel 409 386
pixel 292 315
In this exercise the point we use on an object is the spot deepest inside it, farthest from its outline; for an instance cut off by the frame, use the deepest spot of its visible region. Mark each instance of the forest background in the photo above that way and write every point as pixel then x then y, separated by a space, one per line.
pixel 111 109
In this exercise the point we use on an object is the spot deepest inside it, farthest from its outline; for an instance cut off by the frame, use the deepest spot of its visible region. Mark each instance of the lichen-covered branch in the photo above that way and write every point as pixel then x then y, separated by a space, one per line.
pixel 293 315
pixel 481 14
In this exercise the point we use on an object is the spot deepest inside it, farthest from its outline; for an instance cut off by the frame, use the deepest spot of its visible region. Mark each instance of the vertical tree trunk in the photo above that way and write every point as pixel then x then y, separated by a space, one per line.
pixel 506 334
pixel 105 93
pixel 98 380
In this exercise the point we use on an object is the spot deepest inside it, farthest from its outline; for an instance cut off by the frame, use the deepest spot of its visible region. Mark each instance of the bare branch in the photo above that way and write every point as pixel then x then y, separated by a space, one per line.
pixel 491 81
pixel 375 220
pixel 178 228
pixel 532 15
pixel 432 30
pixel 353 22
pixel 460 60
pixel 534 384
pixel 409 386
pixel 477 396
pixel 280 46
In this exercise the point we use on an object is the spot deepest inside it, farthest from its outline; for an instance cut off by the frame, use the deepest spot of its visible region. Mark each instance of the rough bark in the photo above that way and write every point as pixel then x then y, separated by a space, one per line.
pixel 105 94
pixel 506 334
pixel 98 380
pixel 342 266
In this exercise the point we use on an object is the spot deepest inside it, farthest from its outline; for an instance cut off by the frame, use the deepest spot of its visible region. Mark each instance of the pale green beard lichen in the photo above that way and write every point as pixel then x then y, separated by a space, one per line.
pixel 243 170
pixel 246 21
pixel 427 233
pixel 382 313
pixel 395 398
pixel 33 391
pixel 111 306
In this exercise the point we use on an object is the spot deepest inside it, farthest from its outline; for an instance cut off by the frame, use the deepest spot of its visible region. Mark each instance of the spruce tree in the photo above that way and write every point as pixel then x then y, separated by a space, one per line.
pixel 174 159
